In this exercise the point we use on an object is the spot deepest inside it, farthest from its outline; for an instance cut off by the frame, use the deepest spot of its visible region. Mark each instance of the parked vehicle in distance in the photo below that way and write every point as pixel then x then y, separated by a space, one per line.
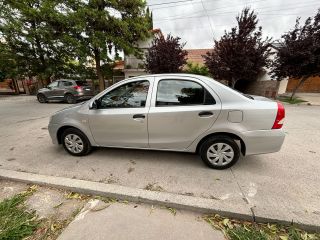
pixel 65 90
pixel 174 112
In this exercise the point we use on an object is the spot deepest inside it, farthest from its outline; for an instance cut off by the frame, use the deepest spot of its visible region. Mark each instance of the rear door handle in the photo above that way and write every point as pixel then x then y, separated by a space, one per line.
pixel 139 116
pixel 205 114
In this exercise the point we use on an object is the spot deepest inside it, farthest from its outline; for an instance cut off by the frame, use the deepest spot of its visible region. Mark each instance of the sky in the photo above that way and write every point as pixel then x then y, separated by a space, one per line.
pixel 198 22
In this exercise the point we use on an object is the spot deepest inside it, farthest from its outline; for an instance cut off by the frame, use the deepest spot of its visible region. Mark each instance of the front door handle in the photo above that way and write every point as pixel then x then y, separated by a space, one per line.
pixel 139 116
pixel 205 114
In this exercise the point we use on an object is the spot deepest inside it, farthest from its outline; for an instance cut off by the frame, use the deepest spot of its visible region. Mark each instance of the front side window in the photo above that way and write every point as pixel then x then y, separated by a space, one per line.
pixel 53 85
pixel 182 92
pixel 129 95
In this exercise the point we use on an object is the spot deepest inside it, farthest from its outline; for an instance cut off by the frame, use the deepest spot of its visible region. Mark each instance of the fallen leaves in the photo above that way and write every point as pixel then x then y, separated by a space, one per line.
pixel 153 187
pixel 230 227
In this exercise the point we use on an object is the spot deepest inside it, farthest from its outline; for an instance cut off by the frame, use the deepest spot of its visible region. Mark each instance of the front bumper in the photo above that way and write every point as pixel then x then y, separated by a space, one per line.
pixel 263 141
pixel 53 130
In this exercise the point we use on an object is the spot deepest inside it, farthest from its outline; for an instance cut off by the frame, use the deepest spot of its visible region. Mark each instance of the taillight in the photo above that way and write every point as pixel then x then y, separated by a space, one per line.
pixel 78 88
pixel 278 122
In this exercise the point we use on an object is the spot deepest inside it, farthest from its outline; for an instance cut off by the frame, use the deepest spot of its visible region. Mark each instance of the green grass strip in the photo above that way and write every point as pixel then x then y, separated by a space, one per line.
pixel 16 222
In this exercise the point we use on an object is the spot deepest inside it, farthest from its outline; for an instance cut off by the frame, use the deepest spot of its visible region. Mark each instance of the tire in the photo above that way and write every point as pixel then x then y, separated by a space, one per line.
pixel 70 98
pixel 75 142
pixel 218 159
pixel 42 98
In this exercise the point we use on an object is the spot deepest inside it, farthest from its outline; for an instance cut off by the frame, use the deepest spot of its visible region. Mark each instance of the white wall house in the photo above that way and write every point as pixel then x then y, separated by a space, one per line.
pixel 134 66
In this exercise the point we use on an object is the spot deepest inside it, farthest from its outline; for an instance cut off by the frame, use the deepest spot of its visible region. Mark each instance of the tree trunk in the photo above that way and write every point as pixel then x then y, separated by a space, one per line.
pixel 98 70
pixel 15 86
pixel 233 83
pixel 302 80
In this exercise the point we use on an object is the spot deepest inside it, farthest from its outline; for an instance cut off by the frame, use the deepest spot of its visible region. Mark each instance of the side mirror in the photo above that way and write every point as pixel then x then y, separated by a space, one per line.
pixel 94 104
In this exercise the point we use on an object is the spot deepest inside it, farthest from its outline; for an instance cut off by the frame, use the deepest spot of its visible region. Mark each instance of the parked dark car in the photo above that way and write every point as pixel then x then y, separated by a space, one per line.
pixel 65 90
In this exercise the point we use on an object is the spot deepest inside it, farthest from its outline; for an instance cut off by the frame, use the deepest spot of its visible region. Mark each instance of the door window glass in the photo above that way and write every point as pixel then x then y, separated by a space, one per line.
pixel 65 84
pixel 182 92
pixel 129 95
pixel 53 84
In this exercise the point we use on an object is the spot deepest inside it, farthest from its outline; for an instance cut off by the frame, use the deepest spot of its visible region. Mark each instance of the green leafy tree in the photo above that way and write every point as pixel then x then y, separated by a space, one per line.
pixel 241 53
pixel 99 28
pixel 33 31
pixel 298 53
pixel 197 69
pixel 166 55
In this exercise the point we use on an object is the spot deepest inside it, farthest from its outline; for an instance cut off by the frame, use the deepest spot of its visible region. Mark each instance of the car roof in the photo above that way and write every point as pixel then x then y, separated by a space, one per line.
pixel 66 80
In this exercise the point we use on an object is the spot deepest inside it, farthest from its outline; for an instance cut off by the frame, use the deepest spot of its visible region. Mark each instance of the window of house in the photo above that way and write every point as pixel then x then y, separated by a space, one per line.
pixel 182 93
pixel 129 95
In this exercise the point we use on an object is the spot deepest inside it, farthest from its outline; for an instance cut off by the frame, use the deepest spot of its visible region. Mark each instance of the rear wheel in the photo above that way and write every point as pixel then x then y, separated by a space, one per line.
pixel 41 98
pixel 70 98
pixel 220 152
pixel 75 142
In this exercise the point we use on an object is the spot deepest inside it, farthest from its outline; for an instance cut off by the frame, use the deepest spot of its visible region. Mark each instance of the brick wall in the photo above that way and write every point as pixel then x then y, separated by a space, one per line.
pixel 312 85
pixel 263 88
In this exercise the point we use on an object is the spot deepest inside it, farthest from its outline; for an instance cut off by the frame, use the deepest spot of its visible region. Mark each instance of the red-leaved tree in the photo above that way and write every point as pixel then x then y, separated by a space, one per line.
pixel 166 55
pixel 298 54
pixel 241 53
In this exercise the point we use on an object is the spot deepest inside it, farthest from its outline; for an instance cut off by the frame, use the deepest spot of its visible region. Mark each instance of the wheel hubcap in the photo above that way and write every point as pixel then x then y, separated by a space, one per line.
pixel 220 154
pixel 73 143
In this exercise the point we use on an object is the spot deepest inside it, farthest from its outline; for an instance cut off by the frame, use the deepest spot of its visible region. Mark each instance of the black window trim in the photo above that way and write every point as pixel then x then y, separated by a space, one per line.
pixel 183 105
pixel 144 80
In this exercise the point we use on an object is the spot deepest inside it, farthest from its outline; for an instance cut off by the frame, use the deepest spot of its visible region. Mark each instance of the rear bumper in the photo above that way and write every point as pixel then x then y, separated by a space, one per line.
pixel 263 141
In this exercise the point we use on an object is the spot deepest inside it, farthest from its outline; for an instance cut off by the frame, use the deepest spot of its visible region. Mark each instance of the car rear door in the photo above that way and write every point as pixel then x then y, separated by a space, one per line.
pixel 121 117
pixel 63 88
pixel 182 108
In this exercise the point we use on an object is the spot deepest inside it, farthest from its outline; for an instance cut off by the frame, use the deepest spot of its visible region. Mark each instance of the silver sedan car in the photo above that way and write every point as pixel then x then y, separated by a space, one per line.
pixel 173 112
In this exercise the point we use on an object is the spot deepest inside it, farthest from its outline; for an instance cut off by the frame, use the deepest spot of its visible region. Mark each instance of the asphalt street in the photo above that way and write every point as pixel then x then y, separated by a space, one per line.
pixel 280 185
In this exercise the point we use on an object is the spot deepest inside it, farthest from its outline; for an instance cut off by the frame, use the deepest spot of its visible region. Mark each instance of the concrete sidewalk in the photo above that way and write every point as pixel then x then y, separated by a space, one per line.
pixel 312 98
pixel 270 213
pixel 137 221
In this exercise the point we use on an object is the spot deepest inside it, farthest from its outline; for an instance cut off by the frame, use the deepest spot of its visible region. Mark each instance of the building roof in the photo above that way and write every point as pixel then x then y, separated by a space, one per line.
pixel 118 65
pixel 195 55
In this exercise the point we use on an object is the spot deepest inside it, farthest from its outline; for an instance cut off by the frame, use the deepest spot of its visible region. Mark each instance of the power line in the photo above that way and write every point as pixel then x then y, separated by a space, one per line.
pixel 208 18
pixel 156 4
pixel 312 3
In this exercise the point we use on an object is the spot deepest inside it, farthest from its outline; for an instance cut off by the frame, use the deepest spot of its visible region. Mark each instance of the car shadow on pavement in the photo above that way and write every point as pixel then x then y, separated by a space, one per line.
pixel 154 156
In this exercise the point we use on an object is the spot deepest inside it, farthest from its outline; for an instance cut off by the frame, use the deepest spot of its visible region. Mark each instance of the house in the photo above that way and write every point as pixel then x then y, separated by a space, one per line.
pixel 195 55
pixel 134 66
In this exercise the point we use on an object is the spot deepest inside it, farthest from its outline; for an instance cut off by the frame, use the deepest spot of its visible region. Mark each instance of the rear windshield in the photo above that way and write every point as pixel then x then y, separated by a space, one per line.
pixel 82 83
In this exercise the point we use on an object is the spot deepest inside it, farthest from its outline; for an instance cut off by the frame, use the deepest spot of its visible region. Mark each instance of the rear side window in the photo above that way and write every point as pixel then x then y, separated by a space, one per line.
pixel 65 84
pixel 82 83
pixel 182 93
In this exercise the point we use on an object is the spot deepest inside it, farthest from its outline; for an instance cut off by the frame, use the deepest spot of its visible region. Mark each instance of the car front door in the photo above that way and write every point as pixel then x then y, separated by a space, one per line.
pixel 120 119
pixel 53 89
pixel 181 110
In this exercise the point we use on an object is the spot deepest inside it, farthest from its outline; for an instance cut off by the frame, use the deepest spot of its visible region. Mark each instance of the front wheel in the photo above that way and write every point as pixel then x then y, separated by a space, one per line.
pixel 41 98
pixel 220 152
pixel 75 142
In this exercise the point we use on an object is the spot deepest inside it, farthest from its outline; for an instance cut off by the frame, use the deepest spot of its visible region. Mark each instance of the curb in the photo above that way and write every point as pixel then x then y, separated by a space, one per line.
pixel 197 204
